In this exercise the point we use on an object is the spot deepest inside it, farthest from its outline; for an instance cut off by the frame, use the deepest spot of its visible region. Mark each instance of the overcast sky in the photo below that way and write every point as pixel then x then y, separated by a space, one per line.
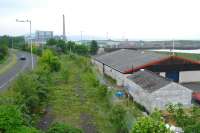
pixel 135 19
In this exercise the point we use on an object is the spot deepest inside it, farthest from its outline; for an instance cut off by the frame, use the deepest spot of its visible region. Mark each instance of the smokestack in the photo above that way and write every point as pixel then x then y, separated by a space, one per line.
pixel 64 35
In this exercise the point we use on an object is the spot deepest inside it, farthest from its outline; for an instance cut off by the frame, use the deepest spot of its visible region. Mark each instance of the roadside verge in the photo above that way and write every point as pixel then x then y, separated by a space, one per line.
pixel 9 63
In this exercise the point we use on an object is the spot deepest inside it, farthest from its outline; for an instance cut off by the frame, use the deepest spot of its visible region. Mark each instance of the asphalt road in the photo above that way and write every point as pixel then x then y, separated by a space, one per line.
pixel 19 67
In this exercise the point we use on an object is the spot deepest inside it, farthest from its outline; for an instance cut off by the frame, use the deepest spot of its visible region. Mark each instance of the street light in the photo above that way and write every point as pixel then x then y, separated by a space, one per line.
pixel 28 21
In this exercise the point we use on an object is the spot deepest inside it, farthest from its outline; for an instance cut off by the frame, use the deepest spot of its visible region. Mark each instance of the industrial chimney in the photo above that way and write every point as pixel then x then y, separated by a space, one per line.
pixel 64 35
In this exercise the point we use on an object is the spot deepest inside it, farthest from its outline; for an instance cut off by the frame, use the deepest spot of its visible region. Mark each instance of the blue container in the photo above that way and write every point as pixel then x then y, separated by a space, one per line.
pixel 173 75
pixel 119 94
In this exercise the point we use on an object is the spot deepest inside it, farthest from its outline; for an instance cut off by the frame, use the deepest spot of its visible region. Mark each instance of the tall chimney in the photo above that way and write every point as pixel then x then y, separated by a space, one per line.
pixel 64 35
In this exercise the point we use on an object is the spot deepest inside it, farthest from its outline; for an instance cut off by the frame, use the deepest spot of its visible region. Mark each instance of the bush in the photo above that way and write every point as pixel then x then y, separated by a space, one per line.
pixel 10 118
pixel 149 125
pixel 117 118
pixel 189 121
pixel 63 128
pixel 102 91
pixel 11 121
pixel 48 58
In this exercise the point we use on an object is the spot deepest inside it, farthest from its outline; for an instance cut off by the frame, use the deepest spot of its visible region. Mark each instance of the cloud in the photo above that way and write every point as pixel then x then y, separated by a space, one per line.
pixel 151 19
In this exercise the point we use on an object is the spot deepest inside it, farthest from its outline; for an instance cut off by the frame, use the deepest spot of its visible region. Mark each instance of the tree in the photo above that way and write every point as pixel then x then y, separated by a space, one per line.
pixel 71 46
pixel 81 49
pixel 63 128
pixel 4 42
pixel 3 51
pixel 51 42
pixel 61 45
pixel 93 47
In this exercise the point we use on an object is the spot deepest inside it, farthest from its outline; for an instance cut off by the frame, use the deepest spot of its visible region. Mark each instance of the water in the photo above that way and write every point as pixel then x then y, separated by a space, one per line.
pixel 195 51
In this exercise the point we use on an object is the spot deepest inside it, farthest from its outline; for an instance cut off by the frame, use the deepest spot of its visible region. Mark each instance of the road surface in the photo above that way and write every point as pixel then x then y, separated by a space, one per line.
pixel 19 67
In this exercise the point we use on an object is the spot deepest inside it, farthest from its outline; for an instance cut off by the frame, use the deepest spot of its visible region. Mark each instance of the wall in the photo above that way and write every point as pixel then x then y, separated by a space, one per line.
pixel 98 65
pixel 119 77
pixel 171 93
pixel 139 95
pixel 189 76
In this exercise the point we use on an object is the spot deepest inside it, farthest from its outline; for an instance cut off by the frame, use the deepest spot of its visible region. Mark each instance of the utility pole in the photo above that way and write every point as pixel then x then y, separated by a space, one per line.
pixel 81 36
pixel 64 33
pixel 29 21
pixel 12 42
pixel 173 49
pixel 107 35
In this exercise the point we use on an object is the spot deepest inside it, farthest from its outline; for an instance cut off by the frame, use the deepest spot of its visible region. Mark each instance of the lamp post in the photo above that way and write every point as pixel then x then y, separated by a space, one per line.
pixel 29 21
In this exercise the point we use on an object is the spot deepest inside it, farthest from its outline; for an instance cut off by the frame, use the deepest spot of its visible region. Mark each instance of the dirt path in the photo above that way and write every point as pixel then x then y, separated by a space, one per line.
pixel 46 120
pixel 86 119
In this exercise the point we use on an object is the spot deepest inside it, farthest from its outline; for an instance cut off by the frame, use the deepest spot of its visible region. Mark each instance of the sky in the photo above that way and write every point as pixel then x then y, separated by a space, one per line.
pixel 132 19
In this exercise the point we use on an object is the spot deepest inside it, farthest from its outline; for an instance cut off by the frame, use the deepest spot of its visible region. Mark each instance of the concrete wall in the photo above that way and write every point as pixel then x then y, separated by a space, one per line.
pixel 98 65
pixel 189 76
pixel 119 77
pixel 171 93
pixel 139 95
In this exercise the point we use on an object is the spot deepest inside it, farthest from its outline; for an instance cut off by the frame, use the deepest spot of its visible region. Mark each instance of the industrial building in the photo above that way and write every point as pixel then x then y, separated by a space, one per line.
pixel 153 91
pixel 40 37
pixel 155 86
pixel 119 63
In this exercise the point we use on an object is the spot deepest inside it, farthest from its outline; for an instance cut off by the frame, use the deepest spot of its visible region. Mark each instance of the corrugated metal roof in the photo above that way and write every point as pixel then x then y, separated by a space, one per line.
pixel 125 59
pixel 149 81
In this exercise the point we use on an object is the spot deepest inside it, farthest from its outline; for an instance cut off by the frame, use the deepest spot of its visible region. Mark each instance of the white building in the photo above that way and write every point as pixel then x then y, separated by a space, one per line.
pixel 40 37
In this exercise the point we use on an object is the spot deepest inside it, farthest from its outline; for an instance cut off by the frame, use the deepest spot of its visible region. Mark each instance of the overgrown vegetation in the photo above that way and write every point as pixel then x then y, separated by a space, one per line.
pixel 151 124
pixel 3 48
pixel 189 120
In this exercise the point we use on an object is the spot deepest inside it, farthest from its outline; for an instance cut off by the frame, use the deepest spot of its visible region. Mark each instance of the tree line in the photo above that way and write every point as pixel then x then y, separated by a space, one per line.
pixel 4 42
pixel 70 46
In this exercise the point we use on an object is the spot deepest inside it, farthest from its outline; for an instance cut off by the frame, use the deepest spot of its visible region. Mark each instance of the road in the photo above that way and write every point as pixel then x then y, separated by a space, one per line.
pixel 19 67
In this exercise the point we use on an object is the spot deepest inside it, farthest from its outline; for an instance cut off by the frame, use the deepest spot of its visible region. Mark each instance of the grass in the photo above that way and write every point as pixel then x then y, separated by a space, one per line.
pixel 195 57
pixel 67 104
pixel 8 63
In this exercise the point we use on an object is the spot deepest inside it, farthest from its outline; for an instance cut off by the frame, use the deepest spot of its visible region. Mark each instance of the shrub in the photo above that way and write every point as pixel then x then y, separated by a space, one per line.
pixel 117 118
pixel 10 118
pixel 102 91
pixel 149 125
pixel 48 58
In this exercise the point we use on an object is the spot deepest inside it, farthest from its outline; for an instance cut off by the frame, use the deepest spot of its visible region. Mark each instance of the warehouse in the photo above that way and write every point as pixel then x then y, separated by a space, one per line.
pixel 119 64
pixel 153 91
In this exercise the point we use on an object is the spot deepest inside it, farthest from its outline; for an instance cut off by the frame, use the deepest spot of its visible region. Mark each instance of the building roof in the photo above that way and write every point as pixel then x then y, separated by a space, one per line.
pixel 124 59
pixel 148 80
